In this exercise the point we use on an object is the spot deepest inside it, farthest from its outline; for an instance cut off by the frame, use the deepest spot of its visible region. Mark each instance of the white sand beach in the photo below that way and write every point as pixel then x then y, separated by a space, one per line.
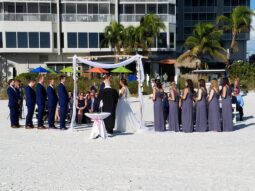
pixel 53 160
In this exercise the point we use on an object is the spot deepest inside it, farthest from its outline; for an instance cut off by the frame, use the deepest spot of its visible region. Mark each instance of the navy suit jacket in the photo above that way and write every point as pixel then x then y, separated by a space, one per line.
pixel 18 93
pixel 30 96
pixel 62 95
pixel 41 95
pixel 52 97
pixel 13 98
pixel 95 105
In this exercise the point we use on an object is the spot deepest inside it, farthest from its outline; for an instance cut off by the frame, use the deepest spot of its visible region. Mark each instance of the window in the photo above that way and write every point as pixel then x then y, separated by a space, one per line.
pixel 62 37
pixel 93 8
pixel 187 3
pixel 187 16
pixel 22 40
pixel 129 9
pixel 63 8
pixel 82 40
pixel 53 8
pixel 55 40
pixel 33 40
pixel 70 8
pixel 9 7
pixel 227 2
pixel 162 42
pixel 1 7
pixel 93 40
pixel 162 8
pixel 104 8
pixel 171 9
pixel 112 9
pixel 187 30
pixel 21 8
pixel 140 9
pixel 72 40
pixel 11 40
pixel 82 8
pixel 1 40
pixel 32 7
pixel 151 8
pixel 44 7
pixel 101 38
pixel 121 10
pixel 171 39
pixel 44 40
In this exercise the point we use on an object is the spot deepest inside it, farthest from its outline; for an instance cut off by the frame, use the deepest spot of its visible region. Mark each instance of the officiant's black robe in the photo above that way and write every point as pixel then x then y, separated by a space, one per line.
pixel 110 98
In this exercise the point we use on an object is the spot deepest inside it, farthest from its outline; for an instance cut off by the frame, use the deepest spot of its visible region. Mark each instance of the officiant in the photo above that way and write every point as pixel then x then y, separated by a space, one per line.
pixel 109 97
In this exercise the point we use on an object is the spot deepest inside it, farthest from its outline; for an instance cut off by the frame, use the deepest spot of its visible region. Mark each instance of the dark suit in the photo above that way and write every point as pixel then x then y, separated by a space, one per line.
pixel 110 98
pixel 13 106
pixel 52 104
pixel 41 97
pixel 63 103
pixel 93 105
pixel 30 103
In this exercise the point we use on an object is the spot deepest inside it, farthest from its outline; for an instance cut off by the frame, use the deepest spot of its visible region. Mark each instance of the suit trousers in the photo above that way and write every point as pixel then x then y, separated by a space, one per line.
pixel 14 115
pixel 63 113
pixel 41 111
pixel 51 115
pixel 30 114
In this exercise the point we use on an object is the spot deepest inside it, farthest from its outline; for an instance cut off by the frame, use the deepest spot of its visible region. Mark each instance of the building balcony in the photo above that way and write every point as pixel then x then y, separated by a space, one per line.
pixel 87 18
pixel 137 18
pixel 204 9
pixel 28 17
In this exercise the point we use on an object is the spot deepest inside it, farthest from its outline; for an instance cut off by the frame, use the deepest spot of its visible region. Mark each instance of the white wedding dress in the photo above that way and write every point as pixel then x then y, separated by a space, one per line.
pixel 125 118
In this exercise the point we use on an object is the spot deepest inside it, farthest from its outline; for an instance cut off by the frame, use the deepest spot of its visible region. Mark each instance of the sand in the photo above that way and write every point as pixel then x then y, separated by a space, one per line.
pixel 53 160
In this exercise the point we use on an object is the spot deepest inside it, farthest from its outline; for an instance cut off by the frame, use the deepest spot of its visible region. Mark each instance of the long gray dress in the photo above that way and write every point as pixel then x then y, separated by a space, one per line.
pixel 187 113
pixel 158 112
pixel 173 113
pixel 227 120
pixel 214 113
pixel 201 113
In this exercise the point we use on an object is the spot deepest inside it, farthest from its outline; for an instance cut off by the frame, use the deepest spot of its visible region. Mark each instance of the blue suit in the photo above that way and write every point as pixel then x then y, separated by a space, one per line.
pixel 52 104
pixel 41 97
pixel 30 103
pixel 13 106
pixel 63 103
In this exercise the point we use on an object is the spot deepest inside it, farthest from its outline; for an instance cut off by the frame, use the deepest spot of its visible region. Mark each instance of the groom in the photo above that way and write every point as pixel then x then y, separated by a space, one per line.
pixel 109 97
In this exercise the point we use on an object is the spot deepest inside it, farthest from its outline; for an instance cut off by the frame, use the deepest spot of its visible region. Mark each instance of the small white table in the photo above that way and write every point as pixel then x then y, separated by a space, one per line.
pixel 98 128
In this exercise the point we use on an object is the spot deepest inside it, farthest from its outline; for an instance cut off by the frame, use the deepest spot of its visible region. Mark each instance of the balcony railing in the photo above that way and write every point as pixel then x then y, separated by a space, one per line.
pixel 137 18
pixel 28 17
pixel 204 9
pixel 87 18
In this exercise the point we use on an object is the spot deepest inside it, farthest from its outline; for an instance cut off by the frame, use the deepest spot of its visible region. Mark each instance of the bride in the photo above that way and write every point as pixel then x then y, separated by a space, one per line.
pixel 125 118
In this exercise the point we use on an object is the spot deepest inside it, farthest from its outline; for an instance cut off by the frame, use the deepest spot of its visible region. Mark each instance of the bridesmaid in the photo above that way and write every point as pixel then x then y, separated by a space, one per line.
pixel 214 107
pixel 158 107
pixel 173 108
pixel 187 107
pixel 226 96
pixel 201 110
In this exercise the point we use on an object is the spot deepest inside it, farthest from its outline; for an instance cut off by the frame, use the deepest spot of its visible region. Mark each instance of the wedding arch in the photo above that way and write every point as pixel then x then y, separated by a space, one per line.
pixel 140 78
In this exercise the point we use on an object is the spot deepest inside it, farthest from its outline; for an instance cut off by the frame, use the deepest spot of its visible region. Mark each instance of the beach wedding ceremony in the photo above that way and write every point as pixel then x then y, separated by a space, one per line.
pixel 127 95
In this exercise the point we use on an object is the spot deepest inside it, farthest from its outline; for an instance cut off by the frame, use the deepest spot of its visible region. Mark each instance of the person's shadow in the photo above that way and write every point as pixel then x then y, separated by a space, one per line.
pixel 243 125
pixel 119 134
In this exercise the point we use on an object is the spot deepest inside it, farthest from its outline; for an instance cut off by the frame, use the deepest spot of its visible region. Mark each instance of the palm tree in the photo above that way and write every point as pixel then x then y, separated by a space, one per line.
pixel 113 37
pixel 238 22
pixel 149 29
pixel 204 43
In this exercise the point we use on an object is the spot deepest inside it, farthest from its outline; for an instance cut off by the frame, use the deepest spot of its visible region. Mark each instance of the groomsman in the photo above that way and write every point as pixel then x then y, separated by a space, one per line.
pixel 63 102
pixel 52 103
pixel 18 92
pixel 13 104
pixel 41 97
pixel 30 103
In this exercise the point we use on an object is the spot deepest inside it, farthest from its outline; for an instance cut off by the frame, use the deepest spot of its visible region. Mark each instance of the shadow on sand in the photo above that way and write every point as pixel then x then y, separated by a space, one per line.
pixel 243 125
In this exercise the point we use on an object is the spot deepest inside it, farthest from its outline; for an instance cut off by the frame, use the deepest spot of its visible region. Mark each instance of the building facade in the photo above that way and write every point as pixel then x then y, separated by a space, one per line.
pixel 39 32
pixel 190 12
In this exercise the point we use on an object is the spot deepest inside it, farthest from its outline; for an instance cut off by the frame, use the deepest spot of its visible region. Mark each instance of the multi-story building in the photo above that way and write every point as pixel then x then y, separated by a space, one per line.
pixel 38 32
pixel 190 12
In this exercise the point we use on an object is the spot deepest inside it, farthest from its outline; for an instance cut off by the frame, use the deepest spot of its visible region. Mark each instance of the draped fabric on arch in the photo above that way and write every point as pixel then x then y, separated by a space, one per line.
pixel 140 79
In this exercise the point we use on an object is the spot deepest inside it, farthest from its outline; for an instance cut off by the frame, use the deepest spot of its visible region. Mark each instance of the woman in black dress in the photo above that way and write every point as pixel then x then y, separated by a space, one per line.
pixel 80 106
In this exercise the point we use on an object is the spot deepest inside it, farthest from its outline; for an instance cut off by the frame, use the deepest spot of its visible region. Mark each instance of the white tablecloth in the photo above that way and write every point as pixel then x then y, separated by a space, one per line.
pixel 98 128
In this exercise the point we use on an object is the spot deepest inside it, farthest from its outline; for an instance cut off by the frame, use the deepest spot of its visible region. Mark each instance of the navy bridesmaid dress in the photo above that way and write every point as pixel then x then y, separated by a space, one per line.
pixel 187 113
pixel 227 119
pixel 214 113
pixel 174 113
pixel 158 112
pixel 201 113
